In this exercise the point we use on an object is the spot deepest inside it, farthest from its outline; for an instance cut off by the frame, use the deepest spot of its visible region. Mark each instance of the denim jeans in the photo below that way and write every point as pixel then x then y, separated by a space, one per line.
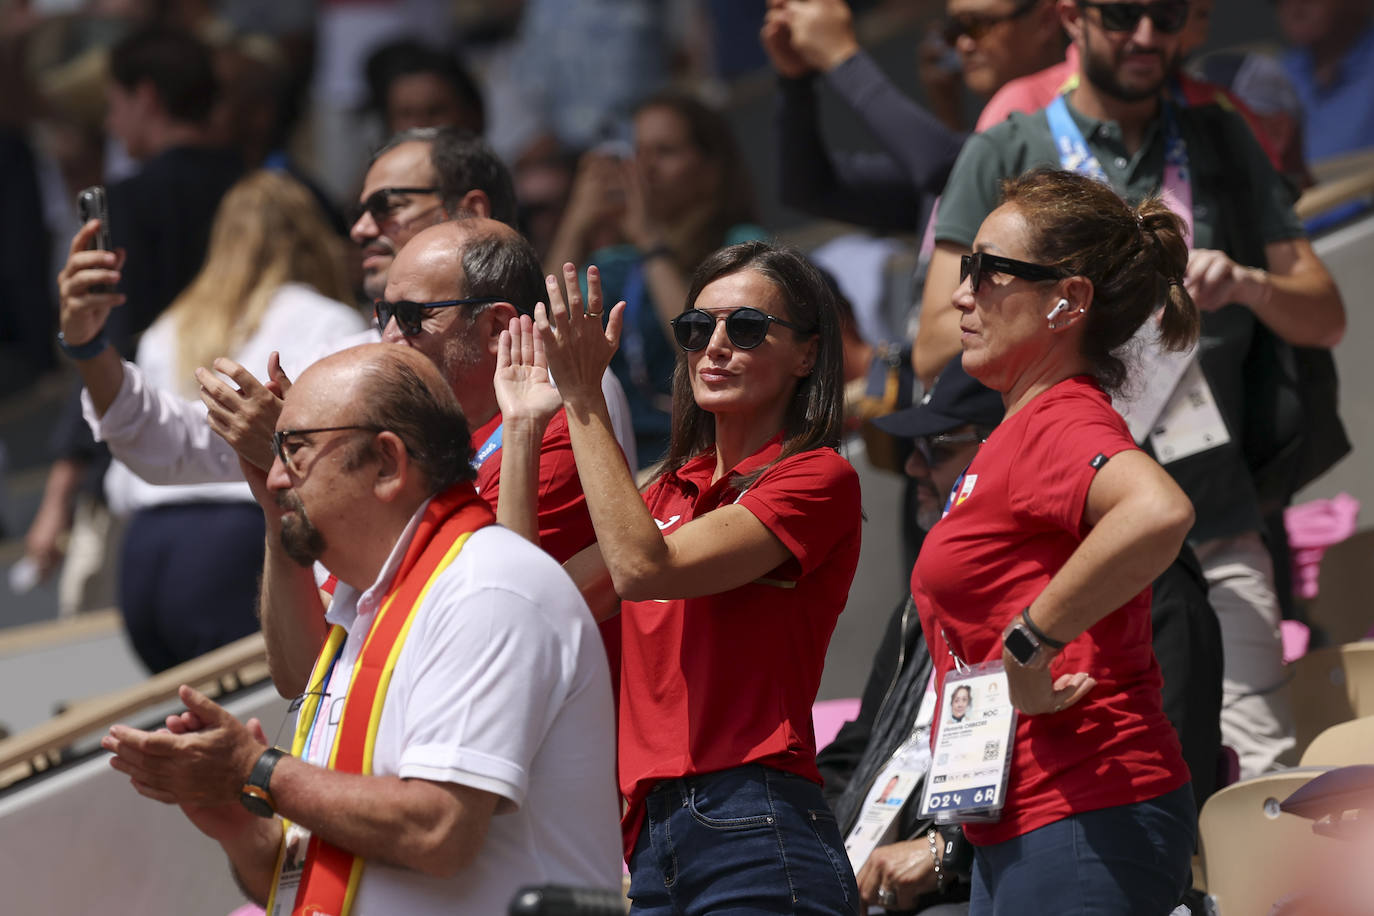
pixel 1131 860
pixel 750 839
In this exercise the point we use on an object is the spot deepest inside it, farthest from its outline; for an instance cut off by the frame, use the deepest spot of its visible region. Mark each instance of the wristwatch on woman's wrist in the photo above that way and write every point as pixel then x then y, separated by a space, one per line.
pixel 1027 643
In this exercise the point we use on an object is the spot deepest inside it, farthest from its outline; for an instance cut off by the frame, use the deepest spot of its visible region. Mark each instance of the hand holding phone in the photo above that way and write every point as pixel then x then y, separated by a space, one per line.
pixel 92 203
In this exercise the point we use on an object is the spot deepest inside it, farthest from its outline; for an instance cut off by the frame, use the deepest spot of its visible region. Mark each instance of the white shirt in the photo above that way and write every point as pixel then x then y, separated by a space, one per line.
pixel 163 438
pixel 502 685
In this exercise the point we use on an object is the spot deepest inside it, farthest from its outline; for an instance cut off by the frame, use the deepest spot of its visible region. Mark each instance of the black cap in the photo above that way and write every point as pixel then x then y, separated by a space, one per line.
pixel 956 399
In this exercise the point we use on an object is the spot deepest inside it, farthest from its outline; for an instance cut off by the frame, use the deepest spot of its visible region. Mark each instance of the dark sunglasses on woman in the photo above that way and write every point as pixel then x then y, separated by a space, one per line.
pixel 1168 16
pixel 746 328
pixel 408 315
pixel 980 262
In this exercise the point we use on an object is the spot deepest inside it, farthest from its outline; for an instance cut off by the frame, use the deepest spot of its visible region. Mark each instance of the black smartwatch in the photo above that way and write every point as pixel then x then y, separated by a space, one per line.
pixel 1026 642
pixel 256 795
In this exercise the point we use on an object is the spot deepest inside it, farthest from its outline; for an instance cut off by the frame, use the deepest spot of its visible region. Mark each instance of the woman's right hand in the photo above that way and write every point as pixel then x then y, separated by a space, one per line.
pixel 83 312
pixel 523 390
pixel 578 348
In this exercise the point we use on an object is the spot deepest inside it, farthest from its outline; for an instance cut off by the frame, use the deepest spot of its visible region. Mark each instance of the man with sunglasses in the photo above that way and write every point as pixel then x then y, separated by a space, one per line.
pixel 1252 272
pixel 809 41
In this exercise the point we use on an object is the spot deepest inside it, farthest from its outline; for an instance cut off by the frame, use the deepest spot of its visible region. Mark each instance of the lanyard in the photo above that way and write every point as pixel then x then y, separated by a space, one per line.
pixel 1074 155
pixel 321 706
pixel 632 335
pixel 491 445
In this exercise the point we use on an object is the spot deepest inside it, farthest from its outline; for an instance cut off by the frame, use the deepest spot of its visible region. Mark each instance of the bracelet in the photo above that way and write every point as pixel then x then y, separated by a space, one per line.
pixel 88 350
pixel 931 836
pixel 658 251
pixel 1039 633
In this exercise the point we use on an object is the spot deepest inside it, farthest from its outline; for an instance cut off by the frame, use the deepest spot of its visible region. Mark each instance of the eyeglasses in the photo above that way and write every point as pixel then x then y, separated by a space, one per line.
pixel 746 328
pixel 936 450
pixel 980 262
pixel 1168 16
pixel 976 25
pixel 285 454
pixel 382 202
pixel 408 315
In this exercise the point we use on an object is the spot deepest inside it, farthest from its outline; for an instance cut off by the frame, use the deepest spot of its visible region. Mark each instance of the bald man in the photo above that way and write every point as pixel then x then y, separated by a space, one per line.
pixel 498 700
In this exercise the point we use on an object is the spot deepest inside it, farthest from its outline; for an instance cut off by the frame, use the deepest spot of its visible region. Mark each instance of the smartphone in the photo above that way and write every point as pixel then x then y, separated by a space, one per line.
pixel 91 203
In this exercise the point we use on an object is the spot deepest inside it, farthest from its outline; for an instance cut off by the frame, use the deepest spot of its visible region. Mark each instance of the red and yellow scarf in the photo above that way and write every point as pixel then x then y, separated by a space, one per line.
pixel 331 875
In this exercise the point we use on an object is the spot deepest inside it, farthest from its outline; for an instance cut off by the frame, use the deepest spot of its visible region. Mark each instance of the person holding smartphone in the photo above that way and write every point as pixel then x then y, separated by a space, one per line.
pixel 1049 541
pixel 728 573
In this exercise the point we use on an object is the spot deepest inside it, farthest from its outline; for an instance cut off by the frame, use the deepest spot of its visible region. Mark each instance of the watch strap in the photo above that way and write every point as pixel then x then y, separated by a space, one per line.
pixel 1040 634
pixel 88 350
pixel 259 781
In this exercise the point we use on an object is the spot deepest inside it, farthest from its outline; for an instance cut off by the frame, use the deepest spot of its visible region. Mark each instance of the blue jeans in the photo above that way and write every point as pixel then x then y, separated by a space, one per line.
pixel 1131 859
pixel 750 839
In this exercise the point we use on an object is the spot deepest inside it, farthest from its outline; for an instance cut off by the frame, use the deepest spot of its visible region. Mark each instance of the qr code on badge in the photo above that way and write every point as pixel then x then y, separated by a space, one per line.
pixel 990 750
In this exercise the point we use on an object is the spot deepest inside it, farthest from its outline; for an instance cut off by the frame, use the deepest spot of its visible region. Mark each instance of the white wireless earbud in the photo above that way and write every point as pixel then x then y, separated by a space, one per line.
pixel 1061 307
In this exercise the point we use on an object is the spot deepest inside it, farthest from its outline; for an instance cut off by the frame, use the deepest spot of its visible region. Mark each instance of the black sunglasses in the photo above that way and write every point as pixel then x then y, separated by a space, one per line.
pixel 980 262
pixel 1168 16
pixel 746 328
pixel 408 315
pixel 381 203
pixel 976 25
pixel 280 436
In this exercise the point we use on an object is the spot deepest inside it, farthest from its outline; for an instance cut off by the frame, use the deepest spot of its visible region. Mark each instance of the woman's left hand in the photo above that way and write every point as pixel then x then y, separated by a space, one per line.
pixel 577 347
pixel 905 870
pixel 1034 692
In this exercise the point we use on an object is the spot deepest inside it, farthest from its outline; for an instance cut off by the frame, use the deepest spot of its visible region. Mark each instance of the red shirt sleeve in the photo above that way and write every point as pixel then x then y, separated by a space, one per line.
pixel 810 502
pixel 1064 444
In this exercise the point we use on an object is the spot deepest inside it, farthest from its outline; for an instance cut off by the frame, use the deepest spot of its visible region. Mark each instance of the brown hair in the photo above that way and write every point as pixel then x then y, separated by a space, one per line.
pixel 815 413
pixel 1134 256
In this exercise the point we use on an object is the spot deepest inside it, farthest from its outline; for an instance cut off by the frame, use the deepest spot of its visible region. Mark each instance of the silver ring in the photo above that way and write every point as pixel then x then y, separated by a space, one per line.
pixel 887 897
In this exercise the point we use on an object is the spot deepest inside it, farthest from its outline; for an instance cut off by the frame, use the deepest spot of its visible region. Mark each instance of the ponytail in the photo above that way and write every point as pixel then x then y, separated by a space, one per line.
pixel 1163 231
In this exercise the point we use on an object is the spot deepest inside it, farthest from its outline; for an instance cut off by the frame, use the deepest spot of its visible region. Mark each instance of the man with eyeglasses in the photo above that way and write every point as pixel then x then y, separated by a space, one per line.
pixel 809 41
pixel 457 738
pixel 1252 272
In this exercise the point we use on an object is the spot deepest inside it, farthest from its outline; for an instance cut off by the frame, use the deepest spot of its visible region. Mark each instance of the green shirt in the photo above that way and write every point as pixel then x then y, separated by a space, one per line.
pixel 1240 204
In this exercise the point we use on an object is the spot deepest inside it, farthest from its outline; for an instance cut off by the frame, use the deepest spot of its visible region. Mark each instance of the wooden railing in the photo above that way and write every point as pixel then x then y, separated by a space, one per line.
pixel 240 664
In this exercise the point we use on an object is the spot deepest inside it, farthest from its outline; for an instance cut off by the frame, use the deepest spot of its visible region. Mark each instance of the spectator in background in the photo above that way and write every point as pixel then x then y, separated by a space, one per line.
pixel 1331 62
pixel 997 40
pixel 412 84
pixel 161 93
pixel 684 194
pixel 26 317
pixel 274 279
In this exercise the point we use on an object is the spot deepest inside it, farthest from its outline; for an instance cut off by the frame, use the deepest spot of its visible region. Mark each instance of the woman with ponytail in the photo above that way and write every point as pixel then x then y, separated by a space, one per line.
pixel 1044 557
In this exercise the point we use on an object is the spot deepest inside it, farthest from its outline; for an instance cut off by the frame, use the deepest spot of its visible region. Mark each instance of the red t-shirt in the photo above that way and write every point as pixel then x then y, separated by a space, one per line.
pixel 1016 516
pixel 722 680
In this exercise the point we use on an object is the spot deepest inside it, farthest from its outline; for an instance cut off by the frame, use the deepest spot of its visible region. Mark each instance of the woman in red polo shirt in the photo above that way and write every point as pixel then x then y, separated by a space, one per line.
pixel 1044 557
pixel 728 573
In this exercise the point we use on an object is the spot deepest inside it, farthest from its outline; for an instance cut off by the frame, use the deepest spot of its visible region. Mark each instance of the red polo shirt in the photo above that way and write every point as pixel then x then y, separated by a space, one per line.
pixel 1016 516
pixel 722 680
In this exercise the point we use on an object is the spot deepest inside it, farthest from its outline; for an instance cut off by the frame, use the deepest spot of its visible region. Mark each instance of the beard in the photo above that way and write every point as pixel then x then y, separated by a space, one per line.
pixel 929 505
pixel 301 540
pixel 1102 73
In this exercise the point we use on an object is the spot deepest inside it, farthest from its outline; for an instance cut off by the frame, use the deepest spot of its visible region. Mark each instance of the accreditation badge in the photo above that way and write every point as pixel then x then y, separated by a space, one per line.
pixel 295 842
pixel 972 747
pixel 898 781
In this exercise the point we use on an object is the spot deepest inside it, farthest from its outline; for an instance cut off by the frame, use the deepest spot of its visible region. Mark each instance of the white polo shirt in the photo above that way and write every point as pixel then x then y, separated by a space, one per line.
pixel 502 685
